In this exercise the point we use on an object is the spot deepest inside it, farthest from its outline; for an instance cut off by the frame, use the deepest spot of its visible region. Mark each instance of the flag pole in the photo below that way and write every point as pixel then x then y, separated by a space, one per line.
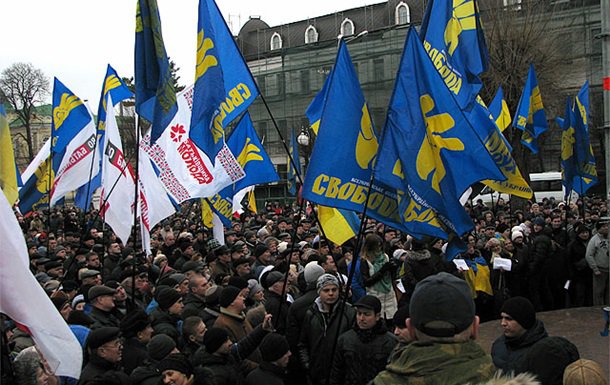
pixel 135 211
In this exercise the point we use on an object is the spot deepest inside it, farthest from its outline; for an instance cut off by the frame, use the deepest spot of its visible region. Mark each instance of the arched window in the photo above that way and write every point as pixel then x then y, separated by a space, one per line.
pixel 347 27
pixel 402 14
pixel 311 35
pixel 276 41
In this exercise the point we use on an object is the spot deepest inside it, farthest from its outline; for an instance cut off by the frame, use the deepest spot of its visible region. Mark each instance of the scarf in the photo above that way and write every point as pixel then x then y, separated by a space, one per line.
pixel 384 285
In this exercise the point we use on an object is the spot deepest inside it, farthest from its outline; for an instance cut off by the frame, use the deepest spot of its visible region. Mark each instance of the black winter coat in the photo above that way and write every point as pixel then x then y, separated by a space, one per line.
pixel 509 354
pixel 134 354
pixel 193 305
pixel 267 374
pixel 163 323
pixel 296 314
pixel 358 361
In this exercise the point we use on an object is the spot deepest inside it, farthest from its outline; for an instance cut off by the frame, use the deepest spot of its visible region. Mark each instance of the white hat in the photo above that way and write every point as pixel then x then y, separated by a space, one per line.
pixel 516 234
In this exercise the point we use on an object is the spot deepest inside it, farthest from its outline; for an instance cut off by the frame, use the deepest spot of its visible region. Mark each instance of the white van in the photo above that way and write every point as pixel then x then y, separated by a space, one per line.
pixel 544 184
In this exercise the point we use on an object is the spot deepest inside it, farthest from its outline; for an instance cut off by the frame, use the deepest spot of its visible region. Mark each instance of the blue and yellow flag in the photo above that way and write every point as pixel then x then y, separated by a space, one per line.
pixel 291 173
pixel 34 195
pixel 585 159
pixel 339 175
pixel 224 87
pixel 316 107
pixel 530 116
pixel 499 110
pixel 252 157
pixel 8 174
pixel 70 115
pixel 453 39
pixel 114 86
pixel 339 225
pixel 155 93
pixel 568 141
pixel 440 153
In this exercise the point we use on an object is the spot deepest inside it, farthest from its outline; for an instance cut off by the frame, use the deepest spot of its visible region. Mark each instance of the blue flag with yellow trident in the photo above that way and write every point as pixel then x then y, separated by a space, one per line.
pixel 252 157
pixel 568 141
pixel 440 152
pixel 339 175
pixel 69 116
pixel 453 38
pixel 155 93
pixel 114 86
pixel 224 87
pixel 530 116
pixel 291 173
pixel 314 111
pixel 499 110
pixel 586 172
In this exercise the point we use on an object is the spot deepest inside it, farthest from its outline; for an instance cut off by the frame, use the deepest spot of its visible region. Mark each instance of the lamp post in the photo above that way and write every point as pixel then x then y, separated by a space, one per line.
pixel 303 139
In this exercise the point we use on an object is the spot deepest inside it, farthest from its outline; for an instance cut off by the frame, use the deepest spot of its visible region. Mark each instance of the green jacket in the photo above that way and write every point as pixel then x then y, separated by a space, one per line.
pixel 438 364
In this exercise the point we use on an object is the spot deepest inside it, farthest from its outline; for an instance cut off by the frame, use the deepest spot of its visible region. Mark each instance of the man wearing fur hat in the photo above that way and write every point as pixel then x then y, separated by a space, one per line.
pixel 320 327
pixel 443 326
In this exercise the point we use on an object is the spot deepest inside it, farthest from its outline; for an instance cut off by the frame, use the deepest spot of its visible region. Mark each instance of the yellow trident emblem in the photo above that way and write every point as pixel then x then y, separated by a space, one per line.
pixel 429 155
pixel 567 143
pixel 248 153
pixel 366 144
pixel 463 18
pixel 204 62
pixel 66 105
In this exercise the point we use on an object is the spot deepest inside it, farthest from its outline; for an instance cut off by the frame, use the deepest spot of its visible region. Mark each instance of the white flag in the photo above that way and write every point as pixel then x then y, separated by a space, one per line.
pixel 118 186
pixel 186 171
pixel 154 205
pixel 79 163
pixel 23 299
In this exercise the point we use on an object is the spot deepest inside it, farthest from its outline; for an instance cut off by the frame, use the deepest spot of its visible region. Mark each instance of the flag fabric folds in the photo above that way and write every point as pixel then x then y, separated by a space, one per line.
pixel 585 160
pixel 440 152
pixel 499 110
pixel 252 202
pixel 339 225
pixel 155 93
pixel 530 116
pixel 8 172
pixel 224 87
pixel 314 111
pixel 37 179
pixel 114 86
pixel 568 157
pixel 117 200
pixel 291 172
pixel 339 175
pixel 70 115
pixel 24 300
pixel 453 39
pixel 252 157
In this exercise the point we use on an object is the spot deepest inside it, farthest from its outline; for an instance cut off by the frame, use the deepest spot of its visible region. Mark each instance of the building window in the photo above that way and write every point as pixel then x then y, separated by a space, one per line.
pixel 378 70
pixel 513 5
pixel 311 35
pixel 276 41
pixel 402 14
pixel 347 27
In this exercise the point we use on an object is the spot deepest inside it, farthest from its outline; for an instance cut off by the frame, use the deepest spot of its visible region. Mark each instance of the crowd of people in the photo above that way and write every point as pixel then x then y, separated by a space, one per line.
pixel 277 303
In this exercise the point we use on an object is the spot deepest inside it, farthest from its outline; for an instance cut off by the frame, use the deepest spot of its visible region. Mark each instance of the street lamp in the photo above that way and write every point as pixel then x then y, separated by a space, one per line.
pixel 303 138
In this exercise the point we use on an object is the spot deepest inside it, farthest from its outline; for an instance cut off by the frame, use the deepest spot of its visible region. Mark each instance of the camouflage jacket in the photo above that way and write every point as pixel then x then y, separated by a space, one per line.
pixel 438 364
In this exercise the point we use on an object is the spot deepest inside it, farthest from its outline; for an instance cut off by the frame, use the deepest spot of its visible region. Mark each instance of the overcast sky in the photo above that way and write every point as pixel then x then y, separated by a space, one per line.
pixel 74 40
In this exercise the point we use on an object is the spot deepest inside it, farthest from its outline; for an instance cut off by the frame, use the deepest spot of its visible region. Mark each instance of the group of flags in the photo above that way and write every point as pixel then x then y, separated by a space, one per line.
pixel 438 139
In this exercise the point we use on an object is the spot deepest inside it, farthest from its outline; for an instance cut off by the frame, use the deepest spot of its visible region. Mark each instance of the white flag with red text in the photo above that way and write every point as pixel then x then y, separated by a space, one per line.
pixel 118 188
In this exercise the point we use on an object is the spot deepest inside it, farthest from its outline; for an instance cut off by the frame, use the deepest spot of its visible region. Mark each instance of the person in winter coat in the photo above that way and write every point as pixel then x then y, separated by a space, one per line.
pixel 539 267
pixel 105 352
pixel 363 351
pixel 521 330
pixel 275 354
pixel 321 324
pixel 581 275
pixel 137 331
pixel 166 317
pixel 598 259
pixel 159 347
pixel 418 265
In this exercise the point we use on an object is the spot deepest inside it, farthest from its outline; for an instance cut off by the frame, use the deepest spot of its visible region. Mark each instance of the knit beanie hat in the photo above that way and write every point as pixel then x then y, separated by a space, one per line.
pixel 312 272
pixel 160 346
pixel 260 249
pixel 238 282
pixel 516 234
pixel 166 297
pixel 521 310
pixel 178 362
pixel 325 280
pixel 228 295
pixel 273 347
pixel 584 372
pixel 214 338
pixel 134 322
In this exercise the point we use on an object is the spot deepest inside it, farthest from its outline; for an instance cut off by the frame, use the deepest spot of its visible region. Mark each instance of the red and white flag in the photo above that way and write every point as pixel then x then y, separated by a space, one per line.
pixel 118 188
pixel 23 299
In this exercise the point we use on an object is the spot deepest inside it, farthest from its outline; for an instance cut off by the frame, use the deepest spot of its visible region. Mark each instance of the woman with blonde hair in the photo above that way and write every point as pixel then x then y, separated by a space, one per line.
pixel 377 272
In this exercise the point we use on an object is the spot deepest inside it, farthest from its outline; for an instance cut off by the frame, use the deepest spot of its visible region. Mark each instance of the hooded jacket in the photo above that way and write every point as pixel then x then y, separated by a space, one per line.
pixel 509 353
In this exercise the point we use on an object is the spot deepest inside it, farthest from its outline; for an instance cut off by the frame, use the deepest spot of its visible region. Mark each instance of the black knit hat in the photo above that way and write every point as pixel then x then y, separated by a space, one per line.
pixel 260 249
pixel 273 347
pixel 160 346
pixel 214 338
pixel 521 310
pixel 99 337
pixel 166 297
pixel 228 295
pixel 178 362
pixel 400 317
pixel 238 282
pixel 134 322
